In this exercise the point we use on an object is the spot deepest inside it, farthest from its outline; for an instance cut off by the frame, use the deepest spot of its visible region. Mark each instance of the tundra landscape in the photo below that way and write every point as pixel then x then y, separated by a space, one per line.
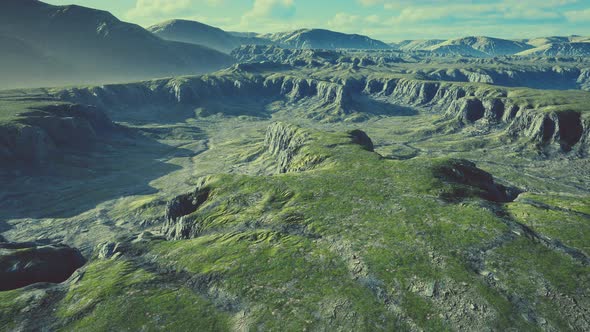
pixel 181 177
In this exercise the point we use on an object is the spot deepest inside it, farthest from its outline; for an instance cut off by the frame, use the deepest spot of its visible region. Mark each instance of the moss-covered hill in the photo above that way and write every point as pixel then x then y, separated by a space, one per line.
pixel 274 196
pixel 339 238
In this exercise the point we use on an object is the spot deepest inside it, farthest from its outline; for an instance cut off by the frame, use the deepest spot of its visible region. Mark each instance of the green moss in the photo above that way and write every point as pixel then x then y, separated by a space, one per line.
pixel 558 221
pixel 284 279
pixel 11 304
pixel 114 294
pixel 527 268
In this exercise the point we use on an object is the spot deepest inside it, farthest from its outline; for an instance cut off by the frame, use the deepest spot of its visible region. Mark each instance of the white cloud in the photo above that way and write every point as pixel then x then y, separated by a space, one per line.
pixel 155 9
pixel 271 9
pixel 269 15
pixel 342 21
pixel 578 15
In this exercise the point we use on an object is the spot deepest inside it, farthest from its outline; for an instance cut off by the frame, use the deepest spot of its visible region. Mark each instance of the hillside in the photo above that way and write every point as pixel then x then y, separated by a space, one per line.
pixel 324 39
pixel 418 45
pixel 317 199
pixel 198 33
pixel 577 49
pixel 480 46
pixel 22 64
pixel 95 46
pixel 321 181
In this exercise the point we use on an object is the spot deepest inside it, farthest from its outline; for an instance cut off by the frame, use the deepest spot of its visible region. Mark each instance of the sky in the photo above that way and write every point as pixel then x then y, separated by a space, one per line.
pixel 387 20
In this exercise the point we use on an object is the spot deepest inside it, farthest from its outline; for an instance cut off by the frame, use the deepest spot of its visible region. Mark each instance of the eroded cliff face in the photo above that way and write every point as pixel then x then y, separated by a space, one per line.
pixel 556 77
pixel 23 264
pixel 198 90
pixel 179 223
pixel 583 80
pixel 36 134
pixel 287 145
pixel 555 130
pixel 467 103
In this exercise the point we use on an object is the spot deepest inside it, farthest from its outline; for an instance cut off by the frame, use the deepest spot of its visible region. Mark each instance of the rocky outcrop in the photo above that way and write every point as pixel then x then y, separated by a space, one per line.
pixel 283 142
pixel 179 224
pixel 554 130
pixel 474 181
pixel 468 110
pixel 467 103
pixel 565 129
pixel 556 77
pixel 199 90
pixel 23 264
pixel 583 81
pixel 36 134
pixel 361 138
pixel 24 143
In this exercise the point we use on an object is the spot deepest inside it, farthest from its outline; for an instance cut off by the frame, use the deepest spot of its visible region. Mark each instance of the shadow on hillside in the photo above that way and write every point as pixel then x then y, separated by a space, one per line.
pixel 372 106
pixel 122 165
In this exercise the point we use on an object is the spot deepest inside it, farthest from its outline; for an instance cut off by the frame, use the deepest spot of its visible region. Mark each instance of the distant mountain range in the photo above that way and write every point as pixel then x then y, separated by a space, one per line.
pixel 559 49
pixel 480 46
pixel 489 47
pixel 46 45
pixel 203 34
pixel 324 39
pixel 474 46
pixel 199 33
pixel 42 44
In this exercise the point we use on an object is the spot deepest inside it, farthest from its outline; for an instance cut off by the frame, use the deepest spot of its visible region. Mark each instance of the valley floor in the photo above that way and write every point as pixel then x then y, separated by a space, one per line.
pixel 298 228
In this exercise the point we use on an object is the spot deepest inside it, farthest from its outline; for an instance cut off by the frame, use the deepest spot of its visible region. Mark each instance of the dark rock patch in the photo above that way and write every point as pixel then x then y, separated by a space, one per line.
pixel 177 225
pixel 570 129
pixel 23 264
pixel 374 86
pixel 476 182
pixel 494 109
pixel 361 138
pixel 473 110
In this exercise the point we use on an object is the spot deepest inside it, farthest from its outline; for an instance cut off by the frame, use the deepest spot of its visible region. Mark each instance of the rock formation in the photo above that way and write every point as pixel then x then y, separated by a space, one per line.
pixel 23 264
pixel 482 183
pixel 466 103
pixel 36 134
pixel 179 224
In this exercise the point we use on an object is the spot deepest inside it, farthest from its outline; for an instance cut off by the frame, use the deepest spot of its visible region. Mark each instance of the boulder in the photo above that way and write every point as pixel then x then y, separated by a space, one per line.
pixel 178 224
pixel 475 181
pixel 28 263
pixel 361 138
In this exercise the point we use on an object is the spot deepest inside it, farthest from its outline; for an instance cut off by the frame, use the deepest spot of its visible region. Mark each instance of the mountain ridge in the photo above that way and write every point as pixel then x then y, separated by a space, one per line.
pixel 195 32
pixel 96 46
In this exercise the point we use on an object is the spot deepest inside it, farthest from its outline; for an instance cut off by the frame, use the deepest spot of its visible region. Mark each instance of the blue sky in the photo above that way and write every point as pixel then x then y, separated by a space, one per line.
pixel 387 20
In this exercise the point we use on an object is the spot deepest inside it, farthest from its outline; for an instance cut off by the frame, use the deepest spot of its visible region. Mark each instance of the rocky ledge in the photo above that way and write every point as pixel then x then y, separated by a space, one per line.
pixel 23 264
pixel 468 103
pixel 179 224
pixel 36 134
pixel 474 181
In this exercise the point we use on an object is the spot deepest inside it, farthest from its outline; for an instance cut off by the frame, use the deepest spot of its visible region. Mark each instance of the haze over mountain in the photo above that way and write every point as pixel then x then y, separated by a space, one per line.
pixel 93 45
pixel 480 46
pixel 416 45
pixel 324 39
pixel 322 181
pixel 202 34
pixel 483 46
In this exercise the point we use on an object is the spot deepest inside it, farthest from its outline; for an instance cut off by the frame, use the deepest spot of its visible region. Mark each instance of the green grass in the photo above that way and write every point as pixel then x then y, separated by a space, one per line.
pixel 571 228
pixel 115 295
pixel 11 304
pixel 337 246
